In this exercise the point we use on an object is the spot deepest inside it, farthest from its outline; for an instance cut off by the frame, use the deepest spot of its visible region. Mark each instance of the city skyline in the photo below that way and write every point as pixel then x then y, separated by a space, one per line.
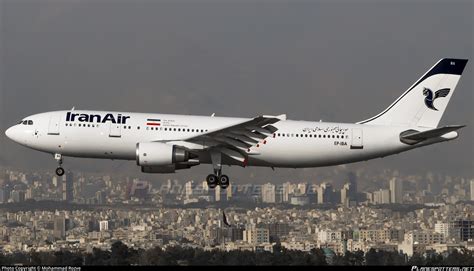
pixel 329 61
pixel 289 64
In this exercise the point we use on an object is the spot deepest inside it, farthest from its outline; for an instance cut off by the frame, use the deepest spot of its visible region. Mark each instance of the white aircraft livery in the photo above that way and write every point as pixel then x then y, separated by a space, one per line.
pixel 164 143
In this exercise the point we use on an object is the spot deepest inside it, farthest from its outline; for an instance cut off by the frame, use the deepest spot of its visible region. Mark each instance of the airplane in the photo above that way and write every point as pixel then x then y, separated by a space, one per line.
pixel 164 143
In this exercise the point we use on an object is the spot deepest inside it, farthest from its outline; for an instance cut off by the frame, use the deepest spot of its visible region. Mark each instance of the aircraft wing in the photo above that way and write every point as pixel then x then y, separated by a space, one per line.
pixel 235 140
pixel 413 136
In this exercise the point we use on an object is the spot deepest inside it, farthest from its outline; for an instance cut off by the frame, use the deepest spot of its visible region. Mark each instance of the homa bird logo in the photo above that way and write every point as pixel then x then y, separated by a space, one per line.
pixel 429 99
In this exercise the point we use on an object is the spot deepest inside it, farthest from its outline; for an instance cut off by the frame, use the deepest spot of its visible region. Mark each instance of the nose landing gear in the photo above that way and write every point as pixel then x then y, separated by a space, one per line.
pixel 58 157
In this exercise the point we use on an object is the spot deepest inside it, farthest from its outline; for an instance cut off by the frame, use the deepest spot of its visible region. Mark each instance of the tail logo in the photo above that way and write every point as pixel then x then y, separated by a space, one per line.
pixel 429 99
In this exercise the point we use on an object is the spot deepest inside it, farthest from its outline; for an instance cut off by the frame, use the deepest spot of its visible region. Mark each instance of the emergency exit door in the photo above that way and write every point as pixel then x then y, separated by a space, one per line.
pixel 53 127
pixel 115 130
pixel 357 139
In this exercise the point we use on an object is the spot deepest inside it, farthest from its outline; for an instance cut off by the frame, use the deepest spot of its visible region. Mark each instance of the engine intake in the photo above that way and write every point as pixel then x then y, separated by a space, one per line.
pixel 160 154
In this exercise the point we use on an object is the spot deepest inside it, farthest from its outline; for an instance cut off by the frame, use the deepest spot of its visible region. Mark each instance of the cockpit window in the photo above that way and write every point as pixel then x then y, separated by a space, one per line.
pixel 25 122
pixel 30 122
pixel 20 122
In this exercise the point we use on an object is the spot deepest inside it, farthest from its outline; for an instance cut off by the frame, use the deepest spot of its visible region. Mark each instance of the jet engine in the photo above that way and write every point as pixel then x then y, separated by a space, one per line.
pixel 160 154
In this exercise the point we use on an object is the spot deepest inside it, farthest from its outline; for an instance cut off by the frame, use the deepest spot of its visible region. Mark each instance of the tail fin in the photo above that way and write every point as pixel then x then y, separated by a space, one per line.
pixel 423 104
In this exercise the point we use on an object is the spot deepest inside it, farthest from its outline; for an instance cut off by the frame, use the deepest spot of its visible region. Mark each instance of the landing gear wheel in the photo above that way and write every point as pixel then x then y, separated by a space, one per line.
pixel 60 171
pixel 212 180
pixel 224 181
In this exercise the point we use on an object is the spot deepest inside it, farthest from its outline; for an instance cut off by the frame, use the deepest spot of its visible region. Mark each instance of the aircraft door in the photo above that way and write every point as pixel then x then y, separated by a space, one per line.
pixel 115 130
pixel 53 127
pixel 357 142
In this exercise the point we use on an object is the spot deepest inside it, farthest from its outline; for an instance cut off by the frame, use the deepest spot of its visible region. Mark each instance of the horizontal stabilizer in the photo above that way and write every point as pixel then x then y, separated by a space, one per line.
pixel 414 136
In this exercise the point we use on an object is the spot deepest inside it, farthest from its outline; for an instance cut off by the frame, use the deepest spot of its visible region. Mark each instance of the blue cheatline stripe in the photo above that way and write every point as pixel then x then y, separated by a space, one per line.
pixel 153 119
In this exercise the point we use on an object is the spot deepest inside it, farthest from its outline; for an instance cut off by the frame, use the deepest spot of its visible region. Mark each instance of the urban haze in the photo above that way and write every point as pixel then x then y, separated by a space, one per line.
pixel 341 61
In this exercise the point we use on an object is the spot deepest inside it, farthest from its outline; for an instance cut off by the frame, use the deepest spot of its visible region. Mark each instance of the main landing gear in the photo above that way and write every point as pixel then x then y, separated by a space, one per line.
pixel 58 157
pixel 217 178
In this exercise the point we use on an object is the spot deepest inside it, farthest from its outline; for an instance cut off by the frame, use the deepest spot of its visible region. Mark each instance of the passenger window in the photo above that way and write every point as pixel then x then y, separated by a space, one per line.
pixel 88 125
pixel 192 130
pixel 296 135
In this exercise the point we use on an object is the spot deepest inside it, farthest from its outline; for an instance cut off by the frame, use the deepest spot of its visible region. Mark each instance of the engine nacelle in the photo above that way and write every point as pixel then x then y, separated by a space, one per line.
pixel 168 168
pixel 159 154
pixel 159 169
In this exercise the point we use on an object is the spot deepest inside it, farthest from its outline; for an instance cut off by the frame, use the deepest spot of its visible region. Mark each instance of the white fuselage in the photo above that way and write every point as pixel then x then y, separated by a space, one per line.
pixel 295 144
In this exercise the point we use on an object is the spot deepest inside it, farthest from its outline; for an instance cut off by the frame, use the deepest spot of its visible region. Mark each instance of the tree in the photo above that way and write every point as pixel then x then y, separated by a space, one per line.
pixel 372 257
pixel 416 259
pixel 119 254
pixel 317 257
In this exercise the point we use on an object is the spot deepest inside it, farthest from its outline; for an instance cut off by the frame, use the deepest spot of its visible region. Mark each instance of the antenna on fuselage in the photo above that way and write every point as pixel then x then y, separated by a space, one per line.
pixel 213 114
pixel 72 109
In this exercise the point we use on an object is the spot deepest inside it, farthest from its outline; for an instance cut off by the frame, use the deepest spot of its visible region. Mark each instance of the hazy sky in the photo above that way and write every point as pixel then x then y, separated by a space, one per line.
pixel 339 61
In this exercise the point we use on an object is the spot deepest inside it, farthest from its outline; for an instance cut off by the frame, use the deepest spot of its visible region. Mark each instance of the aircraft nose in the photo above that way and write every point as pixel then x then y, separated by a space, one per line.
pixel 9 132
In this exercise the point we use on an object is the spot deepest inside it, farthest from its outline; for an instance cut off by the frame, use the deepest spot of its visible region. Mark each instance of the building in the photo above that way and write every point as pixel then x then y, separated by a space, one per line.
pixel 101 197
pixel 59 231
pixel 462 229
pixel 277 230
pixel 382 196
pixel 286 191
pixel 256 235
pixel 345 196
pixel 396 190
pixel 472 190
pixel 325 193
pixel 68 186
pixel 299 200
pixel 268 193
pixel 104 225
pixel 18 196
pixel 229 192
pixel 217 196
pixel 352 187
pixel 424 237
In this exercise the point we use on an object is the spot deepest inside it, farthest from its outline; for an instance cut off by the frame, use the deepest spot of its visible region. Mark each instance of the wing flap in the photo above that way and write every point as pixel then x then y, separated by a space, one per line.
pixel 236 140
